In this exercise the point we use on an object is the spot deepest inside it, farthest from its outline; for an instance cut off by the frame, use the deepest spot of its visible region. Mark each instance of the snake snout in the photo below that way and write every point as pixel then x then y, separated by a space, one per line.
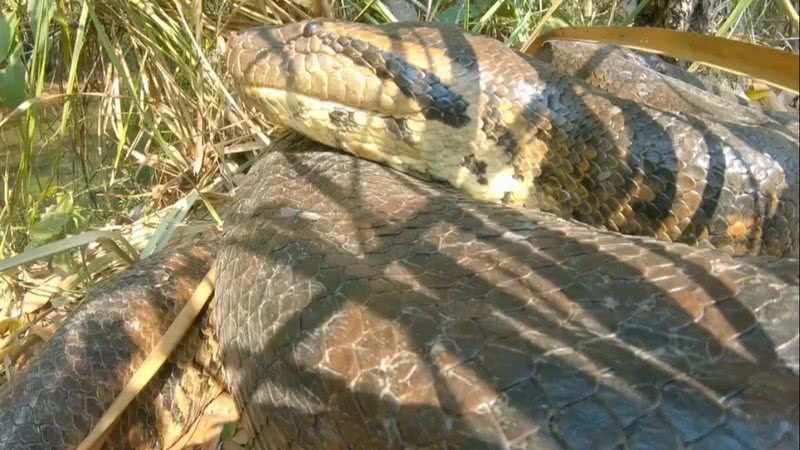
pixel 321 61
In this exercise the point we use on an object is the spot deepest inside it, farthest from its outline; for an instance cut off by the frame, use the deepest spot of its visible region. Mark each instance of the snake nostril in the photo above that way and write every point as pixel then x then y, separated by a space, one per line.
pixel 310 29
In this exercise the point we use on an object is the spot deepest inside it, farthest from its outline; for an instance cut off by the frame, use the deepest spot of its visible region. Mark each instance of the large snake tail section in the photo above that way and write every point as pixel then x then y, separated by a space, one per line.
pixel 62 393
pixel 359 308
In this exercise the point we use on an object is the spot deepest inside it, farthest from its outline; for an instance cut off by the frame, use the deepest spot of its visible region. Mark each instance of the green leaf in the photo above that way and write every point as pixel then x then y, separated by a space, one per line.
pixel 228 430
pixel 456 13
pixel 40 12
pixel 554 23
pixel 492 11
pixel 12 83
pixel 53 222
pixel 5 37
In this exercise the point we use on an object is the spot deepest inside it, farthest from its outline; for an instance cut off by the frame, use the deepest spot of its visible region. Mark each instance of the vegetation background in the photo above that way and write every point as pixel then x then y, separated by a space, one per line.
pixel 114 116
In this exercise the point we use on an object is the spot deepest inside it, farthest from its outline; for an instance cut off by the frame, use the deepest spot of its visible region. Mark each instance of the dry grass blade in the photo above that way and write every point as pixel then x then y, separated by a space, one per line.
pixel 26 105
pixel 154 360
pixel 791 13
pixel 108 239
pixel 542 22
pixel 73 68
pixel 6 347
pixel 726 27
pixel 774 67
pixel 166 229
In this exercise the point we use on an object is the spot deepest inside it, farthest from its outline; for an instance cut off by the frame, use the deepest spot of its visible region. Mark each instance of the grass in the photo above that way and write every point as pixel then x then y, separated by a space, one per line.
pixel 126 123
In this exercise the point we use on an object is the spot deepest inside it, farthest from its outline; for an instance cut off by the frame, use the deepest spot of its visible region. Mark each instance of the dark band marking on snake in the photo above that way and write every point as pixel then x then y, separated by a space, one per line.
pixel 564 147
pixel 437 101
pixel 477 167
pixel 342 119
pixel 399 128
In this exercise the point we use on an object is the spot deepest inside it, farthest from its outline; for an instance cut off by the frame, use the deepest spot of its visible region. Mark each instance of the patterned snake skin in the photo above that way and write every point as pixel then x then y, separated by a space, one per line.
pixel 364 309
pixel 360 308
pixel 432 100
pixel 64 391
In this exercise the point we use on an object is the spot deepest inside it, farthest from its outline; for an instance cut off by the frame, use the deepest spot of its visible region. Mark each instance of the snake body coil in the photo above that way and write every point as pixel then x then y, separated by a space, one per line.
pixel 464 109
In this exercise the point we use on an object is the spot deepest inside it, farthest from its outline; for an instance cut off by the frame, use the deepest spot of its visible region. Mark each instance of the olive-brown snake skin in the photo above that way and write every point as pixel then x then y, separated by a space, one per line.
pixel 361 308
pixel 434 101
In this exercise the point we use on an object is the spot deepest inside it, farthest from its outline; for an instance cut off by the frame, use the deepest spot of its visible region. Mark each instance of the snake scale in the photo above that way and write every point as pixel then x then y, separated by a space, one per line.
pixel 358 307
pixel 466 110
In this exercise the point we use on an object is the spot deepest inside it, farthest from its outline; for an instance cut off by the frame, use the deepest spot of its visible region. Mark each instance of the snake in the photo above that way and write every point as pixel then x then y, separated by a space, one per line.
pixel 464 109
pixel 474 299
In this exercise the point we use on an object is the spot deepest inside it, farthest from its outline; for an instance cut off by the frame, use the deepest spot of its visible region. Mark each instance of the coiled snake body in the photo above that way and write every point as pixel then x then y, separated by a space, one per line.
pixel 358 307
pixel 466 110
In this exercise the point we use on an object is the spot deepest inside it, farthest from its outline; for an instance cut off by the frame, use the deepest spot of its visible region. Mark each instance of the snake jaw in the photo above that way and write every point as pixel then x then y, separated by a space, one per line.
pixel 414 108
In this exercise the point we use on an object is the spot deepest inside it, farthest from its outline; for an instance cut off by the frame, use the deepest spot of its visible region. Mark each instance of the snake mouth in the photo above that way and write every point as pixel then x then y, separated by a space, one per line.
pixel 352 66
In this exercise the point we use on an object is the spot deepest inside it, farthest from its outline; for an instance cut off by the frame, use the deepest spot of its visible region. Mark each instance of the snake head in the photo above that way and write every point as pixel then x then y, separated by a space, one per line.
pixel 408 95
pixel 354 66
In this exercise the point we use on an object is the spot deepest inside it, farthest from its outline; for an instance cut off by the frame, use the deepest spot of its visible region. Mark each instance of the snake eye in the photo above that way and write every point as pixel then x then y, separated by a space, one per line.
pixel 310 29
